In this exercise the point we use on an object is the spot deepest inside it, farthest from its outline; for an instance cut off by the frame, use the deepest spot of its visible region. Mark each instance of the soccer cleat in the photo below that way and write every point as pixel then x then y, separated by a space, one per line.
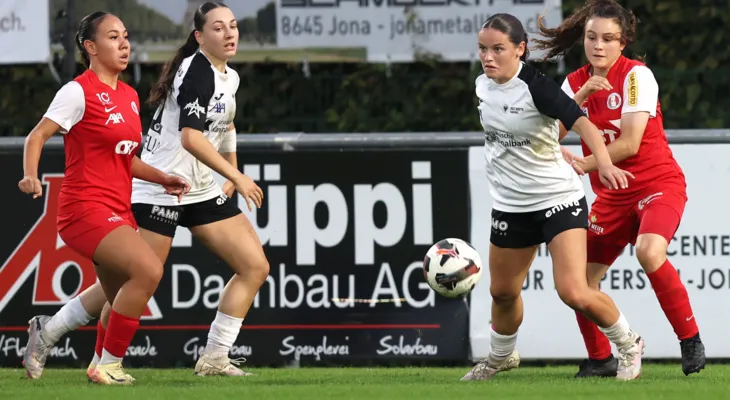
pixel 37 350
pixel 486 369
pixel 693 355
pixel 219 365
pixel 629 358
pixel 605 368
pixel 92 366
pixel 110 374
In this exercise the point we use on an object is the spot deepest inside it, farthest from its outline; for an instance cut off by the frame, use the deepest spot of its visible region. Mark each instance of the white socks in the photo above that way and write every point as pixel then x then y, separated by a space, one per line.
pixel 501 346
pixel 107 358
pixel 223 333
pixel 620 332
pixel 71 316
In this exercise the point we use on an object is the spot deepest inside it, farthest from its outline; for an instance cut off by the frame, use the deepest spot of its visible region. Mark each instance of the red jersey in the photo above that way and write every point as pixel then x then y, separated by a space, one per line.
pixel 102 132
pixel 634 90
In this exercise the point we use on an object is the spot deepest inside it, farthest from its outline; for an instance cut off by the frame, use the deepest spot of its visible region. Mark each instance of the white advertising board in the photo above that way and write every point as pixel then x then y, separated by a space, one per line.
pixel 395 30
pixel 700 251
pixel 24 31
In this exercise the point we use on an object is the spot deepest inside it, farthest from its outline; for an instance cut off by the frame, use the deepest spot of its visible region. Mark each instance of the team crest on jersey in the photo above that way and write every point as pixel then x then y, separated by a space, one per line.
pixel 194 108
pixel 134 108
pixel 614 101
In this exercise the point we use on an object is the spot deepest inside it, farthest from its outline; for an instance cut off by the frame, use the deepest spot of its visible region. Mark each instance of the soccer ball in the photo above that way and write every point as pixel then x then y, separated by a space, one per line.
pixel 452 267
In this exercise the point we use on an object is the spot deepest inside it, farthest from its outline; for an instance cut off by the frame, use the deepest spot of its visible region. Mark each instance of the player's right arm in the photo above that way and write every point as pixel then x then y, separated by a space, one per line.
pixel 193 98
pixel 65 111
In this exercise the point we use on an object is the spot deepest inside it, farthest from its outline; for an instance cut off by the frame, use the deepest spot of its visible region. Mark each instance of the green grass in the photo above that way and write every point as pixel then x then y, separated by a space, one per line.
pixel 657 382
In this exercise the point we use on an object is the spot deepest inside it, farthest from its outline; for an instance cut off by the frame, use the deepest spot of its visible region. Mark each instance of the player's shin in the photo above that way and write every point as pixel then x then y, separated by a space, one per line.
pixel 235 302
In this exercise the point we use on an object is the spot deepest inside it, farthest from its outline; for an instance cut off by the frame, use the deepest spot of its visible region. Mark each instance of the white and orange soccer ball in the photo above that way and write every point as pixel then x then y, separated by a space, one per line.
pixel 452 268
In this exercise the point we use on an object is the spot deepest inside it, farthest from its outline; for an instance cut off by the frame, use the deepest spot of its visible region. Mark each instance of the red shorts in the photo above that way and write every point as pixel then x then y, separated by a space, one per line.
pixel 83 229
pixel 612 226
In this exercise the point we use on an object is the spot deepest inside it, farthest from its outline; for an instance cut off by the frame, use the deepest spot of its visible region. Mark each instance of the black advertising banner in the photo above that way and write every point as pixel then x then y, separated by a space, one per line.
pixel 337 227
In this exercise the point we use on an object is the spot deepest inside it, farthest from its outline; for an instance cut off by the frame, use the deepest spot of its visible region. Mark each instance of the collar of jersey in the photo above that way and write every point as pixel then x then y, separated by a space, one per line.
pixel 222 75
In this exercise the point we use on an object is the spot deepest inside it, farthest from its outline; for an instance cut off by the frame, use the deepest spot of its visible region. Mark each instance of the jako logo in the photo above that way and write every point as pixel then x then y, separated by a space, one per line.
pixel 42 251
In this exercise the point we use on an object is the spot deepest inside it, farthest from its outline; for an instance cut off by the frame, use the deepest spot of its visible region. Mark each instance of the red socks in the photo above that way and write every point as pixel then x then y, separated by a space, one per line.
pixel 120 332
pixel 100 333
pixel 673 299
pixel 597 344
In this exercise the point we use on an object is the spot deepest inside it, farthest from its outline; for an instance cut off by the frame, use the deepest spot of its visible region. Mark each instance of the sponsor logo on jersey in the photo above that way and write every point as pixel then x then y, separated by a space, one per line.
pixel 43 254
pixel 597 229
pixel 633 89
pixel 194 108
pixel 115 118
pixel 614 101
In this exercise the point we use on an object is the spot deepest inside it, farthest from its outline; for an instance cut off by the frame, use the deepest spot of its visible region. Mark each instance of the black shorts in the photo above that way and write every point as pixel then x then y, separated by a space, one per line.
pixel 520 230
pixel 165 219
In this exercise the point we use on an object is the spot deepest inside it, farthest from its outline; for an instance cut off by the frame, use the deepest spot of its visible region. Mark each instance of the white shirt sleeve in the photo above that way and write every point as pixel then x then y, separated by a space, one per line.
pixel 641 91
pixel 567 89
pixel 68 106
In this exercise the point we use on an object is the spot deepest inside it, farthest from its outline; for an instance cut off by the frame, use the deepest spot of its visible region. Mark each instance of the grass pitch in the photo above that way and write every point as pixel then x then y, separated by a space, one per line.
pixel 657 382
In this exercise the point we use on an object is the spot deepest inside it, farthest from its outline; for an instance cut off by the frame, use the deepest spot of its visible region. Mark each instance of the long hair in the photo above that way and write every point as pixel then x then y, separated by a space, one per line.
pixel 561 39
pixel 162 88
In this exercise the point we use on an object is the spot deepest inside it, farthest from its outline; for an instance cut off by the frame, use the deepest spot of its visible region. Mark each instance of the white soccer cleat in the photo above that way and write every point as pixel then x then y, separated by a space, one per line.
pixel 110 374
pixel 629 358
pixel 219 365
pixel 486 369
pixel 37 350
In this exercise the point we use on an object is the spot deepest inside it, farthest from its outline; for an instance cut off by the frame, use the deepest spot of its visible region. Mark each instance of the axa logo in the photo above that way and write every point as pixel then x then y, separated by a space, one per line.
pixel 114 118
pixel 42 253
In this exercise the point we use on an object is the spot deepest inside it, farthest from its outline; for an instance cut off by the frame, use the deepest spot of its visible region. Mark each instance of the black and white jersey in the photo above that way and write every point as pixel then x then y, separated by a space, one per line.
pixel 525 168
pixel 201 98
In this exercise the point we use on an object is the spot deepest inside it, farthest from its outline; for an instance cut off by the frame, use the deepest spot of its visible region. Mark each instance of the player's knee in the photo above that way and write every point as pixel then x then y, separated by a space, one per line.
pixel 148 274
pixel 651 255
pixel 503 295
pixel 576 298
pixel 260 270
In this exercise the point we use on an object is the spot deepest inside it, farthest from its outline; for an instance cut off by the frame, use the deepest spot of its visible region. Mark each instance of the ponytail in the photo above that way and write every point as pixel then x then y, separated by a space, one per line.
pixel 84 55
pixel 164 84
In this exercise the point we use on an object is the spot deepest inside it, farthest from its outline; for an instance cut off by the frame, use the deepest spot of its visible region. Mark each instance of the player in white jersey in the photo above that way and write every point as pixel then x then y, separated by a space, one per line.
pixel 191 134
pixel 538 198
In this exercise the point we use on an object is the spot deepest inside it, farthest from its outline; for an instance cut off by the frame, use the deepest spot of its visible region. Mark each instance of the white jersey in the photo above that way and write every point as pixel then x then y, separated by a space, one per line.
pixel 201 98
pixel 525 168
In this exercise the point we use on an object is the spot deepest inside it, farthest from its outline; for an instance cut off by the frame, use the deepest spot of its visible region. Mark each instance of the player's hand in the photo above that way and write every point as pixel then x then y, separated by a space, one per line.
pixel 31 185
pixel 594 84
pixel 250 191
pixel 573 160
pixel 176 186
pixel 614 178
pixel 229 188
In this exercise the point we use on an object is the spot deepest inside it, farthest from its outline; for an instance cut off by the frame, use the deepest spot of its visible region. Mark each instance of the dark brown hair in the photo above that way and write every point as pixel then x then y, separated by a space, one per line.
pixel 164 84
pixel 570 32
pixel 510 26
pixel 87 31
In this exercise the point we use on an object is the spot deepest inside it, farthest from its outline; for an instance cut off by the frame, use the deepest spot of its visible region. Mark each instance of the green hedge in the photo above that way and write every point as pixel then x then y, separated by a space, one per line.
pixel 690 59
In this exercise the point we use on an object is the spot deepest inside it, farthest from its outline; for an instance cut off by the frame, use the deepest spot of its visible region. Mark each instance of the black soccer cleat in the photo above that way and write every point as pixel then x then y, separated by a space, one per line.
pixel 693 355
pixel 605 368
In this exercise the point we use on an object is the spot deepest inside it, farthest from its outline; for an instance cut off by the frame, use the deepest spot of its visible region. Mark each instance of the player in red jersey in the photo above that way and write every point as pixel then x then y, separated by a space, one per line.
pixel 99 116
pixel 621 97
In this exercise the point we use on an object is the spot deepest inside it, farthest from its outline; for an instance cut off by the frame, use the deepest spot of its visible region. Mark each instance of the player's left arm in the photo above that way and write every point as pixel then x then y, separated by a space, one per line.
pixel 227 149
pixel 640 97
